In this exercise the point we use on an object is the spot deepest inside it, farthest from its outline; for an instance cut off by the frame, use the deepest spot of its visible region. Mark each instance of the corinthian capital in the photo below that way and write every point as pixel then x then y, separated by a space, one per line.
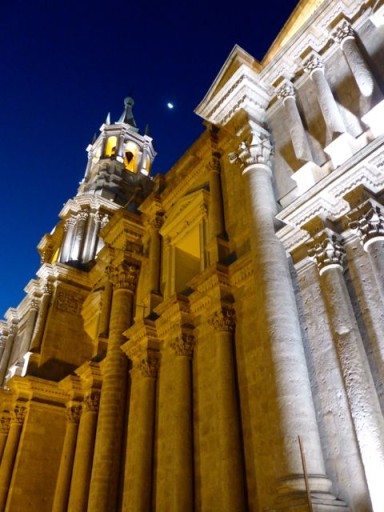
pixel 149 367
pixel 223 320
pixel 343 31
pixel 327 251
pixel 369 223
pixel 184 345
pixel 313 62
pixel 73 413
pixel 18 414
pixel 256 149
pixel 286 90
pixel 4 424
pixel 123 275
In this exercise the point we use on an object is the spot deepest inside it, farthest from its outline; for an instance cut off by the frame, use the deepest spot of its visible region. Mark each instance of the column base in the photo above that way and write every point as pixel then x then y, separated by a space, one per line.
pixel 342 148
pixel 293 495
pixel 307 176
pixel 374 119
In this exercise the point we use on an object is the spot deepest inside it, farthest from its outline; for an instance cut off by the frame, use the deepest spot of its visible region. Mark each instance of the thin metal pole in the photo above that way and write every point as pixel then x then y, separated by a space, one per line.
pixel 310 508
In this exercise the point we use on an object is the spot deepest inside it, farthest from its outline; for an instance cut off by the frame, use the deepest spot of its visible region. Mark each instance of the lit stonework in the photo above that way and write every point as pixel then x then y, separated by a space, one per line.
pixel 185 329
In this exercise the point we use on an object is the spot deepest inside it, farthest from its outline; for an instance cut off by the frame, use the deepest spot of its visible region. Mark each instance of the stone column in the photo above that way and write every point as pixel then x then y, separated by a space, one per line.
pixel 110 425
pixel 141 424
pixel 38 332
pixel 63 484
pixel 328 105
pixel 77 239
pixel 100 242
pixel 174 488
pixel 286 93
pixel 3 343
pixel 345 36
pixel 4 429
pixel 90 238
pixel 370 226
pixel 216 209
pixel 278 323
pixel 203 237
pixel 34 307
pixel 10 452
pixel 7 352
pixel 327 251
pixel 69 228
pixel 226 417
pixel 155 253
pixel 82 466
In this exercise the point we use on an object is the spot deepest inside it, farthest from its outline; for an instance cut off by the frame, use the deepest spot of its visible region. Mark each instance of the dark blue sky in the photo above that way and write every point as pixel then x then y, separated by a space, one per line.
pixel 64 64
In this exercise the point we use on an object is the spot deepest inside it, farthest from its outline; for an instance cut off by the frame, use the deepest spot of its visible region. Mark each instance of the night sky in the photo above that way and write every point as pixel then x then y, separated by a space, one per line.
pixel 65 64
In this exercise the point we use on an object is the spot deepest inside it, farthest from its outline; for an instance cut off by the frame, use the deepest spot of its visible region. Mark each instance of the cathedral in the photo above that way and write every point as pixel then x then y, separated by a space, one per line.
pixel 212 339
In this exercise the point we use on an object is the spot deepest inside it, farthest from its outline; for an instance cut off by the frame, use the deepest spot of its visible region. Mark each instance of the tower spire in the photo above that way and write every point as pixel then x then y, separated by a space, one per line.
pixel 127 116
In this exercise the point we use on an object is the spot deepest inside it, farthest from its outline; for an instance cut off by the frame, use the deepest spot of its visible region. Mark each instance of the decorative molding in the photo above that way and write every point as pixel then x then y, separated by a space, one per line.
pixel 183 345
pixel 73 413
pixel 148 367
pixel 224 320
pixel 91 402
pixel 368 221
pixel 326 250
pixel 256 149
pixel 123 275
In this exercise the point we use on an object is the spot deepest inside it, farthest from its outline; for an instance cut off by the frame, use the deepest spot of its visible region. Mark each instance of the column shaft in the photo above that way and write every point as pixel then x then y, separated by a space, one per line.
pixel 38 332
pixel 231 496
pixel 155 260
pixel 139 457
pixel 63 484
pixel 363 401
pixel 375 250
pixel 82 467
pixel 328 105
pixel 106 464
pixel 216 210
pixel 359 68
pixel 174 485
pixel 296 130
pixel 9 456
pixel 278 323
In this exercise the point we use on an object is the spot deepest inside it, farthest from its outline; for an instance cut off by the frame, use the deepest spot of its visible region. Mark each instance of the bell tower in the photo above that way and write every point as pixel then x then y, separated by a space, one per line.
pixel 117 175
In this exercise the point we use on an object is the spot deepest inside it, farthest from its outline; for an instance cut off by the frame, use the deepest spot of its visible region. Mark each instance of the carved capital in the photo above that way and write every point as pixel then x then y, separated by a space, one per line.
pixel 91 402
pixel 73 413
pixel 71 221
pixel 82 216
pixel 4 424
pixel 370 223
pixel 34 304
pixel 343 31
pixel 256 149
pixel 3 341
pixel 184 345
pixel 156 222
pixel 124 275
pixel 48 289
pixel 286 90
pixel 223 320
pixel 18 415
pixel 327 251
pixel 313 62
pixel 149 367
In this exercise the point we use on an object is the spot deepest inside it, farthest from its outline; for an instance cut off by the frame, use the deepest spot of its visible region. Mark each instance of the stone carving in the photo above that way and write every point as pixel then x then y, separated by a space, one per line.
pixel 149 367
pixel 184 345
pixel 35 304
pixel 73 413
pixel 69 302
pixel 370 225
pixel 3 341
pixel 82 216
pixel 312 63
pixel 91 402
pixel 4 425
pixel 48 289
pixel 326 250
pixel 124 275
pixel 343 31
pixel 286 90
pixel 69 222
pixel 157 222
pixel 18 415
pixel 256 149
pixel 224 320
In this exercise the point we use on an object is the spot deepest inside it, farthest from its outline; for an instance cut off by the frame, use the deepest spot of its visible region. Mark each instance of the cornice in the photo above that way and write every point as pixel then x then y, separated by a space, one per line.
pixel 92 201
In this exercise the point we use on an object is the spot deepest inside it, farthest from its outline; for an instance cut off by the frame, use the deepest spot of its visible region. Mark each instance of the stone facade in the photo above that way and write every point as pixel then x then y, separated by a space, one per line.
pixel 212 339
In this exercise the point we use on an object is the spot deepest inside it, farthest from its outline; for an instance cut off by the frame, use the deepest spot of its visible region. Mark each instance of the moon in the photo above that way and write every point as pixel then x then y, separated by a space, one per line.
pixel 170 105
